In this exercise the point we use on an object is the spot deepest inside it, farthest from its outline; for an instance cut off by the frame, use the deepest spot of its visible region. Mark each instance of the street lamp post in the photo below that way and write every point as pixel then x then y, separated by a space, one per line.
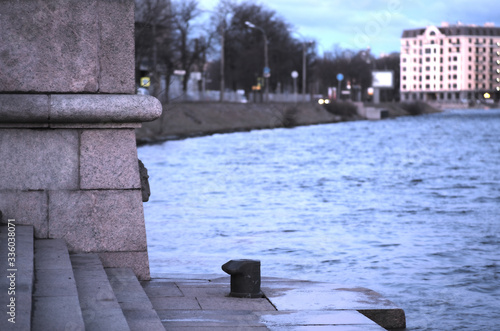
pixel 304 49
pixel 267 71
pixel 221 96
pixel 303 71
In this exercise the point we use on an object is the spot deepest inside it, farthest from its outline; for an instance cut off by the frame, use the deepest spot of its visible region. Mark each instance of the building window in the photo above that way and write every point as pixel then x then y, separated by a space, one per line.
pixel 427 51
pixel 427 86
pixel 454 76
pixel 427 77
pixel 427 68
pixel 404 68
pixel 404 60
pixel 404 87
pixel 454 67
pixel 404 77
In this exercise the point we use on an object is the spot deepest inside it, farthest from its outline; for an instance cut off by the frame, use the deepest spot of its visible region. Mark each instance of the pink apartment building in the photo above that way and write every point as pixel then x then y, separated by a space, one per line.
pixel 451 63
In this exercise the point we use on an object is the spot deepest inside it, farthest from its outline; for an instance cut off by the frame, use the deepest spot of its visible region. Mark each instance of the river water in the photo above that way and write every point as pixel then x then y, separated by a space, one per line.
pixel 408 207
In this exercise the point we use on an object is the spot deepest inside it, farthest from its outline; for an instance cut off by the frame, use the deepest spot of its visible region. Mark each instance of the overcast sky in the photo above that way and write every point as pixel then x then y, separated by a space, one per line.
pixel 357 24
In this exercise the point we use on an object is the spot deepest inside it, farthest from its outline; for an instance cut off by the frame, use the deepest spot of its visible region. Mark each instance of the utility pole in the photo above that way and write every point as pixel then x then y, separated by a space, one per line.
pixel 267 70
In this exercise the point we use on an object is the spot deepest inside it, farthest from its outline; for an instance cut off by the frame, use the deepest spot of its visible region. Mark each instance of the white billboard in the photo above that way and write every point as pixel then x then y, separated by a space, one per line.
pixel 383 79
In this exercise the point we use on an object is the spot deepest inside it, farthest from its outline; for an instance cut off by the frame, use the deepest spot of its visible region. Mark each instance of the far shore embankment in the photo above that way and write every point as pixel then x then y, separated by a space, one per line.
pixel 182 120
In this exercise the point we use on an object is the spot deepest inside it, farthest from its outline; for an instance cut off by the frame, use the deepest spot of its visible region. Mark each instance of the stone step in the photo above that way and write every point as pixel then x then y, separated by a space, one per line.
pixel 100 308
pixel 55 296
pixel 134 302
pixel 21 279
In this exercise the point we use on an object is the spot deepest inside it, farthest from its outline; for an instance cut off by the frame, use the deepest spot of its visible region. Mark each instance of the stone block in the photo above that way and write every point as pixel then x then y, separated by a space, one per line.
pixel 38 159
pixel 161 289
pixel 57 313
pixel 108 160
pixel 181 303
pixel 26 207
pixel 55 282
pixel 116 53
pixel 67 46
pixel 49 46
pixel 143 319
pixel 52 254
pixel 98 221
pixel 137 261
pixel 24 108
pixel 99 108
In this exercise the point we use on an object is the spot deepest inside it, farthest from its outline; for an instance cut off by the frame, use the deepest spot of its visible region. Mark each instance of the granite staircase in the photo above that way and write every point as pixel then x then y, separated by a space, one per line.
pixel 55 290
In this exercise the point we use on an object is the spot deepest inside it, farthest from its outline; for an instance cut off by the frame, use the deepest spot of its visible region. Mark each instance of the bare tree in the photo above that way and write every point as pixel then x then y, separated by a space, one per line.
pixel 191 50
pixel 154 39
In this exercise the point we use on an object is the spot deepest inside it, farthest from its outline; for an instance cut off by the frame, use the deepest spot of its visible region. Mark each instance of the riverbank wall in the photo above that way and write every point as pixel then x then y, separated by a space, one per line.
pixel 182 120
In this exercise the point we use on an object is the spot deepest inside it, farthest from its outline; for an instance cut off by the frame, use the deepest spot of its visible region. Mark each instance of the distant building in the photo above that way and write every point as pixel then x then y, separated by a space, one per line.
pixel 450 63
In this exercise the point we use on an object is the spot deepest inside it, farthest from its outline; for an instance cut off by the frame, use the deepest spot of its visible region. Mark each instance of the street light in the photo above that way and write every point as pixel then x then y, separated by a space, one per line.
pixel 267 71
pixel 303 65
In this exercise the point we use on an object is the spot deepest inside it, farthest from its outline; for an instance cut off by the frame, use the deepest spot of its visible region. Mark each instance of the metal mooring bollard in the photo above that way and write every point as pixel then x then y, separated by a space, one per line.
pixel 245 278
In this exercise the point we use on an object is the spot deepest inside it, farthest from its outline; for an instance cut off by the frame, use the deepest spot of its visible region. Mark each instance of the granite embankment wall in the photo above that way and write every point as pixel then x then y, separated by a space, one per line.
pixel 180 120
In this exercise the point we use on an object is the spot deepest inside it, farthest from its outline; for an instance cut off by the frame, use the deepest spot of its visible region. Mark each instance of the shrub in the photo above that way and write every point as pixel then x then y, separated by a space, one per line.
pixel 346 110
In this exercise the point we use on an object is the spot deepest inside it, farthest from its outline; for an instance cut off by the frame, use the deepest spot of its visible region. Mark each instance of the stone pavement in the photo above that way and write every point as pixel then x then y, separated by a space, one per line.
pixel 197 302
pixel 55 290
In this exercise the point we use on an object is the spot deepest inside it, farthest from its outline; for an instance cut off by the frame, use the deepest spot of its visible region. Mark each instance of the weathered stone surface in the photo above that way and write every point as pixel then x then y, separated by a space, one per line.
pixel 24 108
pixel 24 277
pixel 98 221
pixel 145 190
pixel 108 160
pixel 67 46
pixel 57 313
pixel 38 159
pixel 137 261
pixel 116 53
pixel 93 125
pixel 49 46
pixel 26 208
pixel 99 108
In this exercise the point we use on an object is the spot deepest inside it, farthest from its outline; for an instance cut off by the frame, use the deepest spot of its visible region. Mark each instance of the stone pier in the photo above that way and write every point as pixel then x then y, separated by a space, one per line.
pixel 68 157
